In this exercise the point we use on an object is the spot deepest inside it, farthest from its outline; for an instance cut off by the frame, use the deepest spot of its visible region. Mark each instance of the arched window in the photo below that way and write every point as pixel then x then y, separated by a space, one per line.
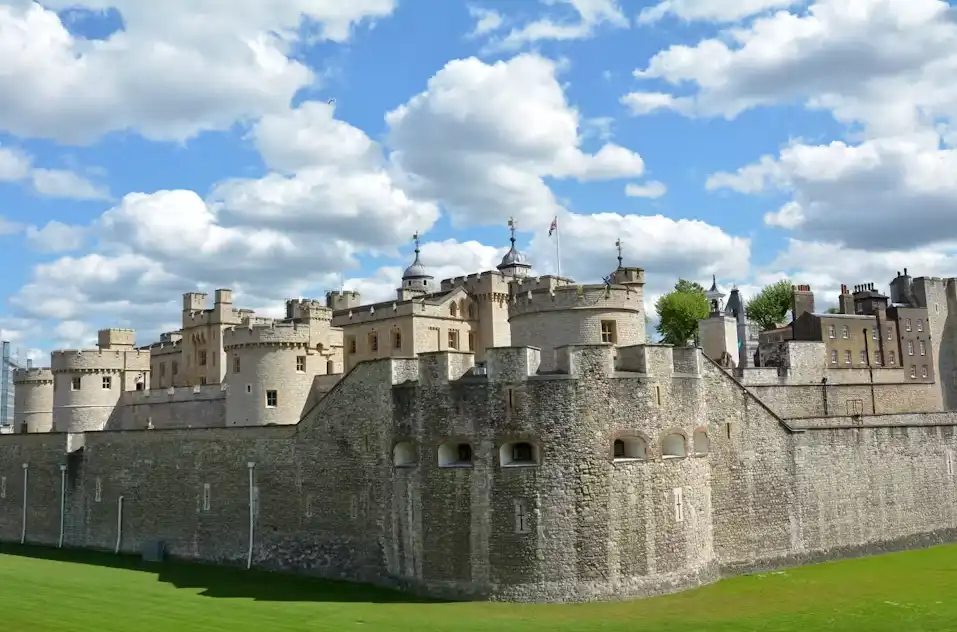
pixel 454 454
pixel 702 443
pixel 453 309
pixel 673 447
pixel 629 449
pixel 471 310
pixel 520 453
pixel 404 454
pixel 330 367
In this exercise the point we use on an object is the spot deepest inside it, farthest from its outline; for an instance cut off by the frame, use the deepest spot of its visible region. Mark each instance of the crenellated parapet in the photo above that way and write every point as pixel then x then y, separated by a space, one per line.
pixel 565 297
pixel 274 334
pixel 489 285
pixel 96 360
pixel 33 376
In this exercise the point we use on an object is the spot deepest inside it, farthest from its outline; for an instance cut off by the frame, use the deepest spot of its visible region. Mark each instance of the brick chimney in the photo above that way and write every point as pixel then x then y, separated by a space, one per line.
pixel 802 301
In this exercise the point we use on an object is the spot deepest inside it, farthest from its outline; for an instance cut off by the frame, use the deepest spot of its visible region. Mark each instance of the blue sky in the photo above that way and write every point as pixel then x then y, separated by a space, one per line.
pixel 147 151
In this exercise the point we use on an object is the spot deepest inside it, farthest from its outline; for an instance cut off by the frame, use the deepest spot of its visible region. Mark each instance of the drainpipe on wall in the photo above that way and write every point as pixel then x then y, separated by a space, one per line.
pixel 119 524
pixel 870 373
pixel 23 527
pixel 252 514
pixel 824 392
pixel 62 505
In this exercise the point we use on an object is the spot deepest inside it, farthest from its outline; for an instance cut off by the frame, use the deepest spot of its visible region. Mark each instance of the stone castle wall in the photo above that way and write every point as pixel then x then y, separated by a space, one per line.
pixel 185 407
pixel 758 492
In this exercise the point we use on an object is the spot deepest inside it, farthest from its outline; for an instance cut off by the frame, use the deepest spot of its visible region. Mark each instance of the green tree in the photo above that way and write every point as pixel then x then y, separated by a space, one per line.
pixel 770 307
pixel 832 310
pixel 679 312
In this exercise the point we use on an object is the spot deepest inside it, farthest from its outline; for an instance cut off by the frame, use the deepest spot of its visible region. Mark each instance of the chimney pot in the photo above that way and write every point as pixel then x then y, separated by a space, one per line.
pixel 905 271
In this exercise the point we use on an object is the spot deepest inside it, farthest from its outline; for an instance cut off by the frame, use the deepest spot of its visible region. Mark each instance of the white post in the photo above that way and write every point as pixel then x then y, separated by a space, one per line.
pixel 62 505
pixel 119 524
pixel 23 527
pixel 252 514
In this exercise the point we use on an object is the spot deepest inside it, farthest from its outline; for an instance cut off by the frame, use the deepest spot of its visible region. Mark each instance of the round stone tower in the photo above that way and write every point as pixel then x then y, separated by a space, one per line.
pixel 548 313
pixel 33 400
pixel 270 372
pixel 88 384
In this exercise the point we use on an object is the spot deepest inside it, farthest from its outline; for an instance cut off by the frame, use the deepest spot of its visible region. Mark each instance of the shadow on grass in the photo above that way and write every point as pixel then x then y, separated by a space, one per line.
pixel 224 581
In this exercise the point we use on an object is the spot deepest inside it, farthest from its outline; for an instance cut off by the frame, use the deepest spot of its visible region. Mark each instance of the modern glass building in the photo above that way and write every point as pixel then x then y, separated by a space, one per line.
pixel 6 387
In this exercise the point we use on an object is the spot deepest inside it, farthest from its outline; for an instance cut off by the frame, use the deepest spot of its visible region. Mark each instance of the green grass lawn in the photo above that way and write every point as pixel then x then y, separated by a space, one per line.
pixel 44 590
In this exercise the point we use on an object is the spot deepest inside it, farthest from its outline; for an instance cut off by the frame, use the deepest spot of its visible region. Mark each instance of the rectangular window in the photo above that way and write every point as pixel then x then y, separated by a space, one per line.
pixel 351 345
pixel 162 369
pixel 923 371
pixel 920 324
pixel 891 358
pixel 236 364
pixel 202 380
pixel 907 325
pixel 98 490
pixel 863 357
pixel 396 339
pixel 913 372
pixel 608 331
pixel 845 333
pixel 658 394
pixel 3 486
pixel 679 504
pixel 471 341
pixel 874 334
pixel 202 357
pixel 910 347
pixel 923 349
pixel 833 356
pixel 207 501
pixel 831 332
pixel 300 364
pixel 453 339
pixel 107 382
pixel 890 332
pixel 878 360
pixel 509 399
pixel 523 518
pixel 949 460
pixel 373 341
pixel 75 384
pixel 847 357
pixel 272 399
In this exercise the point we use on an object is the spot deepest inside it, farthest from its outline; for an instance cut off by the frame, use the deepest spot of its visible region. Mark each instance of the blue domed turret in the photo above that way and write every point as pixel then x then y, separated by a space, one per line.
pixel 416 277
pixel 514 263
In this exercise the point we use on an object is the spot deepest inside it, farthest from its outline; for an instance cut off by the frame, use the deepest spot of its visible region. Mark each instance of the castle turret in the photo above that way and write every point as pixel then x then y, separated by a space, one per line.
pixel 718 333
pixel 416 280
pixel 547 313
pixel 514 264
pixel 271 368
pixel 88 382
pixel 33 400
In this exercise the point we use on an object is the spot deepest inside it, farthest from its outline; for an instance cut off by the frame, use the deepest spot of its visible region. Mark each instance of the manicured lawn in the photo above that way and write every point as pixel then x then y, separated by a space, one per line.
pixel 45 590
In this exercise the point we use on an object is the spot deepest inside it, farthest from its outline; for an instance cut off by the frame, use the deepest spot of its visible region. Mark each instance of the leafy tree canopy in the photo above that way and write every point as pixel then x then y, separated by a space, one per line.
pixel 771 305
pixel 679 312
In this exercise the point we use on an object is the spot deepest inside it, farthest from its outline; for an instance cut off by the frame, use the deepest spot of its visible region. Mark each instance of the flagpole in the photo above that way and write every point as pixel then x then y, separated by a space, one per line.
pixel 558 249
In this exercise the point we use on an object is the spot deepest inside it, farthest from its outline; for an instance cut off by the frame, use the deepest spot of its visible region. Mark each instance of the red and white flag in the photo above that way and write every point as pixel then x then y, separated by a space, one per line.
pixel 553 227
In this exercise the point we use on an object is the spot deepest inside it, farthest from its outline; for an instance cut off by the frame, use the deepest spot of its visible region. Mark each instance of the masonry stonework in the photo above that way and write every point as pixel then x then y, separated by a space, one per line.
pixel 515 441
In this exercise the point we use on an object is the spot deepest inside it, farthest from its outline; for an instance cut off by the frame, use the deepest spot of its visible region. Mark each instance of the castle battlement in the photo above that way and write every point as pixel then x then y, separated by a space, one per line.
pixel 554 298
pixel 533 284
pixel 83 360
pixel 484 283
pixel 271 334
pixel 342 299
pixel 115 338
pixel 36 375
